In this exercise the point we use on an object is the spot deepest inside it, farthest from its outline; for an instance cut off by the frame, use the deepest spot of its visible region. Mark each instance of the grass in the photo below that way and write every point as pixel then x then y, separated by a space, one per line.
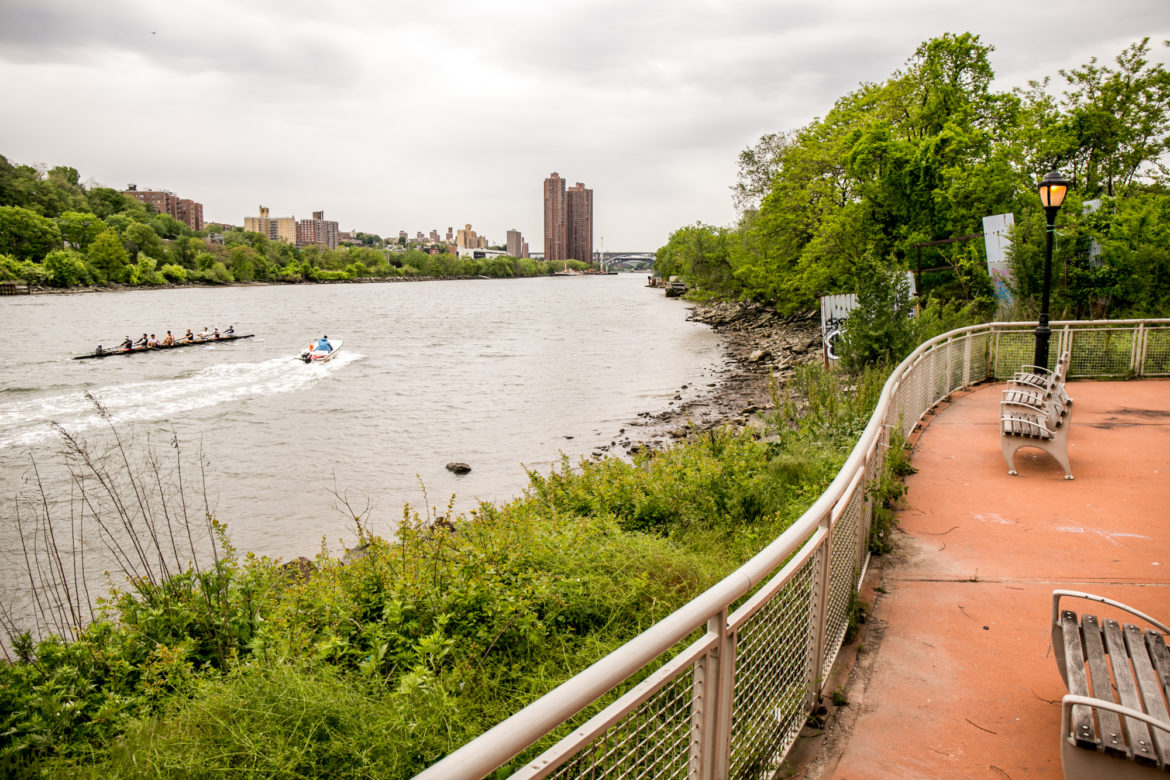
pixel 378 666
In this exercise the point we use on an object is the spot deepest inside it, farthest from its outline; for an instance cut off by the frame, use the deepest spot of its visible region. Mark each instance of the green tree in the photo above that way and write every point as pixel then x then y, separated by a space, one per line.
pixel 243 262
pixel 104 201
pixel 107 255
pixel 879 331
pixel 140 237
pixel 1118 122
pixel 80 228
pixel 26 235
pixel 66 268
pixel 758 166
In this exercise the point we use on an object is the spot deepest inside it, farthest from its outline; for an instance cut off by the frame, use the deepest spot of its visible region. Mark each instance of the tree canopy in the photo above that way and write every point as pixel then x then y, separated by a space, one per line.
pixel 922 157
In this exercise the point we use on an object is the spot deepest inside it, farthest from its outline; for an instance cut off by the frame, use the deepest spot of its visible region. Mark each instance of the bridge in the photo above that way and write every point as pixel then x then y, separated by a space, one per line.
pixel 626 260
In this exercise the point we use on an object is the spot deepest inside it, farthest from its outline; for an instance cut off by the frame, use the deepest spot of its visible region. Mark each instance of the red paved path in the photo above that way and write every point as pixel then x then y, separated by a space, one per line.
pixel 956 677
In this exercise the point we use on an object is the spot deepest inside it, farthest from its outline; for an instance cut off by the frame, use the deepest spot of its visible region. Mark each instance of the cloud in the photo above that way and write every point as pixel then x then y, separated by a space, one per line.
pixel 416 114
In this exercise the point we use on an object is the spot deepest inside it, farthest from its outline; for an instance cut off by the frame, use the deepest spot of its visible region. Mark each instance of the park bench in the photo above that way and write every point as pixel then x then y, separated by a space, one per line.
pixel 1121 675
pixel 1035 412
pixel 1034 380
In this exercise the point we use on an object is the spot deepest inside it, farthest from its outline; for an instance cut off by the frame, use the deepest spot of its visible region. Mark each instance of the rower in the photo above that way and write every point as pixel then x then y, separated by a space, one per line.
pixel 152 342
pixel 99 351
pixel 142 341
pixel 231 331
pixel 169 341
pixel 190 336
pixel 127 345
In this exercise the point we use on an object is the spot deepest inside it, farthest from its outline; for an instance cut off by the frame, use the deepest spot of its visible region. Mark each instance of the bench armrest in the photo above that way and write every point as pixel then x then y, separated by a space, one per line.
pixel 1076 594
pixel 1071 699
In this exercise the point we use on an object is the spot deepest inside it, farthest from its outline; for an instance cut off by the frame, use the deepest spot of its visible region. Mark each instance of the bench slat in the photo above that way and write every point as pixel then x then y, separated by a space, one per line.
pixel 1150 686
pixel 1160 655
pixel 1111 737
pixel 1127 693
pixel 1082 716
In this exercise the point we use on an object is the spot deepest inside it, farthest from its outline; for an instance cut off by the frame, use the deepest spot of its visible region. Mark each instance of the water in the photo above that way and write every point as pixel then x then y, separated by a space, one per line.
pixel 501 374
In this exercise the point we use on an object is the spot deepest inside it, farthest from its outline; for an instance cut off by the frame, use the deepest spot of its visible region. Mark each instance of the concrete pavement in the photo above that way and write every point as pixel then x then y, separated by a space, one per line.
pixel 954 675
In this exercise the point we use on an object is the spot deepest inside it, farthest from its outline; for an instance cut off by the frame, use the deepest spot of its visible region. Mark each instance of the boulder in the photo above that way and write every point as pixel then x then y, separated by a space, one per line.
pixel 458 469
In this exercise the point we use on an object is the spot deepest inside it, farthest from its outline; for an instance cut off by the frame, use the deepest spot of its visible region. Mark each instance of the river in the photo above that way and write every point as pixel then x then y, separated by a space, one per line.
pixel 503 375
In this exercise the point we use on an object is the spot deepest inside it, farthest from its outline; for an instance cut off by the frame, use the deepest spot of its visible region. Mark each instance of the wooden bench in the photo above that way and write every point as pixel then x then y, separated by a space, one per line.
pixel 1041 422
pixel 1031 379
pixel 1121 675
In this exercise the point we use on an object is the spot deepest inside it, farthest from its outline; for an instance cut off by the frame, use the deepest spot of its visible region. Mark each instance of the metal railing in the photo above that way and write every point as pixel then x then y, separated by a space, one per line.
pixel 732 702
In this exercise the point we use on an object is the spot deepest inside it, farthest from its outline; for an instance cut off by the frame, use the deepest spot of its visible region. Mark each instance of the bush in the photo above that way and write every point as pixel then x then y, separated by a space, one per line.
pixel 879 331
pixel 66 268
pixel 175 274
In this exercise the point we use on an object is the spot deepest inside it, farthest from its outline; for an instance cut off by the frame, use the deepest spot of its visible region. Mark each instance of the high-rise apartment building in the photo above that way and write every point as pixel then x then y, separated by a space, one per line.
pixel 467 239
pixel 275 228
pixel 554 218
pixel 568 221
pixel 579 223
pixel 516 244
pixel 185 210
pixel 317 230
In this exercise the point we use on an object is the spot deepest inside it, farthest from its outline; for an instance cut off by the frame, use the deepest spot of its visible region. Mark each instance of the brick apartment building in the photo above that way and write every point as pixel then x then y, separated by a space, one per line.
pixel 185 210
pixel 317 230
pixel 568 221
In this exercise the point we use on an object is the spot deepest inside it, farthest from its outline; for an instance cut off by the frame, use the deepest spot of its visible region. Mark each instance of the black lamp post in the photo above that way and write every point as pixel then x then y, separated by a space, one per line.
pixel 1053 188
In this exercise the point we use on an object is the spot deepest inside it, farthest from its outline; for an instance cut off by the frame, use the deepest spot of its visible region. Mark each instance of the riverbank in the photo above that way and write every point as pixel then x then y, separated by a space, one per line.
pixel 760 348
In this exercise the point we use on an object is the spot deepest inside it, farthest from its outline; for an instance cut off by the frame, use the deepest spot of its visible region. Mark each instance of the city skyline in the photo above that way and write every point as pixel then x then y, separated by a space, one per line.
pixel 410 122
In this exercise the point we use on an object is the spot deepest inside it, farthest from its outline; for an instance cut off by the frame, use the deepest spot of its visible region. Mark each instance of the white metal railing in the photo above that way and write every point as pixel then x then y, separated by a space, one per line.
pixel 731 703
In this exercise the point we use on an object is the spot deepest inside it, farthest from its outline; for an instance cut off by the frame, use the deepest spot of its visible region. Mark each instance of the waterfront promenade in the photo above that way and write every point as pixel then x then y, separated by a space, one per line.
pixel 954 675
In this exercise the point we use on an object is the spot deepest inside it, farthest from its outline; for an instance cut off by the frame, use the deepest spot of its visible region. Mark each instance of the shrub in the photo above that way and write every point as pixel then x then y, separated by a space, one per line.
pixel 879 330
pixel 66 268
pixel 175 274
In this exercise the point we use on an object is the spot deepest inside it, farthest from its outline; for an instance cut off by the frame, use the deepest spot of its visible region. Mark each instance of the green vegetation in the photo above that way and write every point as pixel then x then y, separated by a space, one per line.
pixel 845 203
pixel 380 664
pixel 56 232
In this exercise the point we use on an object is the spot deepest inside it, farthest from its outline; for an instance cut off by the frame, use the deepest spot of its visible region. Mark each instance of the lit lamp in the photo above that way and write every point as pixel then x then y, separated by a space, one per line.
pixel 1053 188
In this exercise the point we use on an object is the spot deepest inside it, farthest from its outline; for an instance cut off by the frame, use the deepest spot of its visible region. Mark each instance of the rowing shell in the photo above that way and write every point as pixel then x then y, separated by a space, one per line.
pixel 159 348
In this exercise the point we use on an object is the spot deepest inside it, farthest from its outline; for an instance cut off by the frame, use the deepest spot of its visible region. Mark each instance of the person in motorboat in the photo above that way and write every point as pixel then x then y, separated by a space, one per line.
pixel 323 344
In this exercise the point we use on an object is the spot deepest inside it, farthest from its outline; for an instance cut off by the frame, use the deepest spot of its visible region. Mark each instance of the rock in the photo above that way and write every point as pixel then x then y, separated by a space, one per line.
pixel 758 355
pixel 459 469
pixel 299 568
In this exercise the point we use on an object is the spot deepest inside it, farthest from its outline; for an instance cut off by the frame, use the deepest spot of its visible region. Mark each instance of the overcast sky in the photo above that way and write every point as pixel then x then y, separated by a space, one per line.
pixel 421 114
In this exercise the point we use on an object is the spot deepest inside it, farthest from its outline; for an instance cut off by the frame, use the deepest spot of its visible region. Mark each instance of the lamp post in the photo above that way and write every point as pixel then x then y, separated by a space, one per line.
pixel 1053 188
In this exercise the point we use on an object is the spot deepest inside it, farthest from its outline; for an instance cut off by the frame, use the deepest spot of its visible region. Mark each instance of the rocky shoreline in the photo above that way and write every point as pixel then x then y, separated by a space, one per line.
pixel 758 345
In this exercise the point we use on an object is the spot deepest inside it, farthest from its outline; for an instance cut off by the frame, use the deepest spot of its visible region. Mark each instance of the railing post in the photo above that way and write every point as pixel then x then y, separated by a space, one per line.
pixel 711 705
pixel 967 360
pixel 820 626
pixel 1137 359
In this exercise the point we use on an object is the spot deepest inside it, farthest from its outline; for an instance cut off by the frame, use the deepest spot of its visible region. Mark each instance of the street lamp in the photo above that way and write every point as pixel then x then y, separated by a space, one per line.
pixel 1053 188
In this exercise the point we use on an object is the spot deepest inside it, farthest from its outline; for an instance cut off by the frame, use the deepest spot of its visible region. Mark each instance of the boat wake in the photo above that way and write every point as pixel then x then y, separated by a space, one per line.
pixel 27 421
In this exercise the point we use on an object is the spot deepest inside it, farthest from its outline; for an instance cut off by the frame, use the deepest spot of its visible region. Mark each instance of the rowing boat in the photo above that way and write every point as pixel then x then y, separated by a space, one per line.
pixel 160 347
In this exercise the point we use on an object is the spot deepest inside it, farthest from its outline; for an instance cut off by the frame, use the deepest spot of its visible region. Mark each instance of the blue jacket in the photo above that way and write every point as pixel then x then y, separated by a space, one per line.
pixel 323 345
